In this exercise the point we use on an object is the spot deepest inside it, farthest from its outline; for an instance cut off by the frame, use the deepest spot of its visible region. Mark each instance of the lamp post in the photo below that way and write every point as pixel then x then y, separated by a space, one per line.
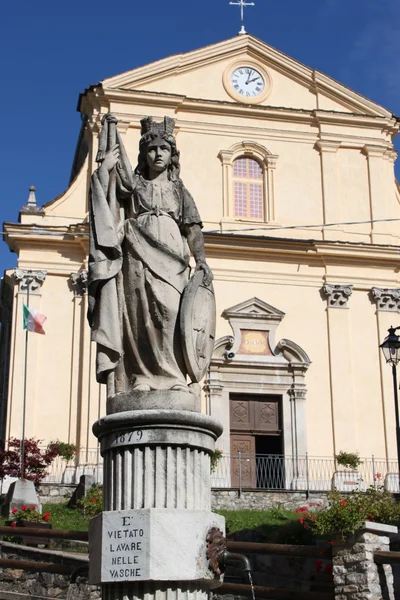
pixel 391 351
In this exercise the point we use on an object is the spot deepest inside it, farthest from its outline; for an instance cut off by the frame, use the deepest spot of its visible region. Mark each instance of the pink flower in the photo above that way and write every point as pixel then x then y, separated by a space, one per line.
pixel 24 507
pixel 14 510
pixel 343 503
pixel 378 476
pixel 46 516
pixel 301 520
pixel 13 524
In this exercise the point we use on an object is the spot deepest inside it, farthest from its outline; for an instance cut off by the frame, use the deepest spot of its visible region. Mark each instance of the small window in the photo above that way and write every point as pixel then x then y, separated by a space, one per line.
pixel 247 189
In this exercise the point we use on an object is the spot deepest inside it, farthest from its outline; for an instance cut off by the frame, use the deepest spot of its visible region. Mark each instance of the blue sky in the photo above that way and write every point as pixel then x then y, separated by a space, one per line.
pixel 52 51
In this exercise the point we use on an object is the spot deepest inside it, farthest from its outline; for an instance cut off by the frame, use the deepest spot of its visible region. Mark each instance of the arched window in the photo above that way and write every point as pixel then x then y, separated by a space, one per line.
pixel 248 189
pixel 248 182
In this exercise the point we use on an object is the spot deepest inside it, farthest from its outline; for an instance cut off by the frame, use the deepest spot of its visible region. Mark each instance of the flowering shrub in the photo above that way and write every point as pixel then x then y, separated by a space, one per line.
pixel 28 513
pixel 345 514
pixel 92 503
pixel 36 460
pixel 66 451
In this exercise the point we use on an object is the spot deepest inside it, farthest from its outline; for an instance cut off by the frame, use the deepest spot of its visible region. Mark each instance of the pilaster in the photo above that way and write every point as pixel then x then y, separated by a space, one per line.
pixel 387 302
pixel 330 185
pixel 340 367
pixel 380 207
pixel 30 282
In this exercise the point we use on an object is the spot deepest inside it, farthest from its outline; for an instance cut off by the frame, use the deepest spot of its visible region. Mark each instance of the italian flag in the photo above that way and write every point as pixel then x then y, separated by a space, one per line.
pixel 33 320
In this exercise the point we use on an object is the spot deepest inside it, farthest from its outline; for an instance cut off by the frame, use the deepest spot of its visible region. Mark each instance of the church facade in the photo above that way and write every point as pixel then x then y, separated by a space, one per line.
pixel 293 175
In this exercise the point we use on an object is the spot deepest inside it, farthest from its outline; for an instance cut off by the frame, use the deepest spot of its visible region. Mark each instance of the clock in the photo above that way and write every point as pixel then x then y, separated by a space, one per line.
pixel 247 81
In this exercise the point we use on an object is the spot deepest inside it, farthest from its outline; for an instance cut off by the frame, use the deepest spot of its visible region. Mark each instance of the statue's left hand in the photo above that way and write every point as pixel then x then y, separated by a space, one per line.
pixel 201 265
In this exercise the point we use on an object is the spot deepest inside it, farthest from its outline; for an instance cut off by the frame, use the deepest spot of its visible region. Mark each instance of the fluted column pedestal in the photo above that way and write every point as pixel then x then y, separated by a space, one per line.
pixel 151 540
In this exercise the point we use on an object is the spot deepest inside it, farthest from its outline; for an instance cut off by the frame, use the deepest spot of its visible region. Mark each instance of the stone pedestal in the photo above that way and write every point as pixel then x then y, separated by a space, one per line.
pixel 156 484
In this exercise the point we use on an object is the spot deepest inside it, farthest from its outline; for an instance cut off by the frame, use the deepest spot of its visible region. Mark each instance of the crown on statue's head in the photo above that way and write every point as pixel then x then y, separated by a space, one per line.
pixel 150 126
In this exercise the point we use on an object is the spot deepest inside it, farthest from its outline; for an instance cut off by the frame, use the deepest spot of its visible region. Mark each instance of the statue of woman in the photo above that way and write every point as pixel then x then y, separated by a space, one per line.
pixel 142 225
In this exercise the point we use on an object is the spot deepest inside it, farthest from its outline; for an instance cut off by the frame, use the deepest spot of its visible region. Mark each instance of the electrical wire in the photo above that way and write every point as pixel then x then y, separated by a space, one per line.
pixel 262 228
pixel 41 231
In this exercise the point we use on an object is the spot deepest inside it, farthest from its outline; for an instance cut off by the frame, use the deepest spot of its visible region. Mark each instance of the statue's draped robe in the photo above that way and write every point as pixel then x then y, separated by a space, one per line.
pixel 138 269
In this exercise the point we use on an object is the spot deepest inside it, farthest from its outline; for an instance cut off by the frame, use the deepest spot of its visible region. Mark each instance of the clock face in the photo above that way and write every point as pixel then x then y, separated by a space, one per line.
pixel 248 82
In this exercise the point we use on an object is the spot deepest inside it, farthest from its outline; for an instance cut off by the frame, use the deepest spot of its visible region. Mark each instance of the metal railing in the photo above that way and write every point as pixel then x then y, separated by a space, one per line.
pixel 302 473
pixel 259 471
pixel 87 462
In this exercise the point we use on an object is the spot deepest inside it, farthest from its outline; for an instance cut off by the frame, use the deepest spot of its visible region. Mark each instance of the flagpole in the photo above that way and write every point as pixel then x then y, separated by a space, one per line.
pixel 22 441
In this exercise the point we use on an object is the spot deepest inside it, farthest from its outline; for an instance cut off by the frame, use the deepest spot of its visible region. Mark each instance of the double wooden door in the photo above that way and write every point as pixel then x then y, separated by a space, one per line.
pixel 252 420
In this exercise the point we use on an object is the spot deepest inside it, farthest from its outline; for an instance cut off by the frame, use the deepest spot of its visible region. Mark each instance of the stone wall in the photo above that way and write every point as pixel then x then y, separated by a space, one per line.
pixel 355 574
pixel 55 493
pixel 262 499
pixel 228 499
pixel 16 584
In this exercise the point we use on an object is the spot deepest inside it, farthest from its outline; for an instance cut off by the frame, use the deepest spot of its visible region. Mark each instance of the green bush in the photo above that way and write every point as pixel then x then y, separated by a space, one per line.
pixel 215 457
pixel 92 503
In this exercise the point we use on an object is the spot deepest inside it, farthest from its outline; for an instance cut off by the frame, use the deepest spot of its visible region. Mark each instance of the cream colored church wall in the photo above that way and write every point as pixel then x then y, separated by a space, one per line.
pixel 345 376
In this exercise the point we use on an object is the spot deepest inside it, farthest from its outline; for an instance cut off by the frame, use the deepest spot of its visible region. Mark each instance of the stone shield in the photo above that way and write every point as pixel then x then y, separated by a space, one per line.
pixel 197 320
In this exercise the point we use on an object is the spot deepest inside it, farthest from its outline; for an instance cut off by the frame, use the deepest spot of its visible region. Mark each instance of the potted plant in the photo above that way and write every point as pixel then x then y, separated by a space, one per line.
pixel 29 516
pixel 66 452
pixel 348 478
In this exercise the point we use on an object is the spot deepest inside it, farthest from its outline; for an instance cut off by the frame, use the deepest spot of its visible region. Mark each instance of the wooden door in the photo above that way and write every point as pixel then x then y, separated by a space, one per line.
pixel 243 470
pixel 266 416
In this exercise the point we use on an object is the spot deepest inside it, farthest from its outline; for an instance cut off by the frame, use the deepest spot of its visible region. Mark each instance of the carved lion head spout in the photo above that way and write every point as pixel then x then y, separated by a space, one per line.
pixel 158 133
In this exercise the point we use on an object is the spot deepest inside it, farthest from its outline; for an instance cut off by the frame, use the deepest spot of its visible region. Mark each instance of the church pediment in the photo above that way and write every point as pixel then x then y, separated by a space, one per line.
pixel 200 74
pixel 253 309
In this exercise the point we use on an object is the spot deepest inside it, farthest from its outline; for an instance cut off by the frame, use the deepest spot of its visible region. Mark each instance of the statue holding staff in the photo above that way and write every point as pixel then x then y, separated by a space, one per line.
pixel 142 225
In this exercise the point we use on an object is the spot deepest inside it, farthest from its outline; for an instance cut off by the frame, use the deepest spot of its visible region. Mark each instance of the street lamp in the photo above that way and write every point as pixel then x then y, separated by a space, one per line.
pixel 391 352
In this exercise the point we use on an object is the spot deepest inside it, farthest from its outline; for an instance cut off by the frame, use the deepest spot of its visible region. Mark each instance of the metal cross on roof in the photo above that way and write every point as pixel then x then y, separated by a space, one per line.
pixel 242 4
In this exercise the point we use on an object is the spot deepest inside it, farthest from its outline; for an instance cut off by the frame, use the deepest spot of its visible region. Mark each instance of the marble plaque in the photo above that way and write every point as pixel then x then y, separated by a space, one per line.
pixel 151 544
pixel 254 342
pixel 124 546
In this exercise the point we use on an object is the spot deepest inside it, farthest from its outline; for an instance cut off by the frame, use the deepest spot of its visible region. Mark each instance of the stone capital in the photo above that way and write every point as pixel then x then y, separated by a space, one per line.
pixel 391 155
pixel 297 392
pixel 373 151
pixel 79 282
pixel 29 280
pixel 327 146
pixel 387 299
pixel 270 161
pixel 337 294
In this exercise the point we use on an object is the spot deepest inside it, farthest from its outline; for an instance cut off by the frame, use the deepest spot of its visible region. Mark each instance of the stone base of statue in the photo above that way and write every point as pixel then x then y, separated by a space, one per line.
pixel 151 537
pixel 156 399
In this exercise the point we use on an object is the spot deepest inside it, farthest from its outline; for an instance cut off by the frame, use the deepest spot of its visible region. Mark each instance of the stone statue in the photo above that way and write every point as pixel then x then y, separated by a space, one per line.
pixel 142 225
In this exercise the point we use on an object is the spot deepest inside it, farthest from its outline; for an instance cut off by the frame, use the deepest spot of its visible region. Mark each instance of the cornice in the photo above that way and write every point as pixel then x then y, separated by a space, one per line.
pixel 236 246
pixel 182 103
pixel 220 245
pixel 19 236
